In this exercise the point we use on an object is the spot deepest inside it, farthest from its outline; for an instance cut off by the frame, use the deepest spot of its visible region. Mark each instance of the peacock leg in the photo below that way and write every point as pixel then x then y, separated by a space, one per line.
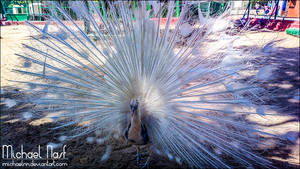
pixel 146 165
pixel 138 155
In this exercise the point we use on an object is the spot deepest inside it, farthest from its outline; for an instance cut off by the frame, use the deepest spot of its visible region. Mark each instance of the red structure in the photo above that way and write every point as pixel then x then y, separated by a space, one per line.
pixel 276 25
pixel 293 9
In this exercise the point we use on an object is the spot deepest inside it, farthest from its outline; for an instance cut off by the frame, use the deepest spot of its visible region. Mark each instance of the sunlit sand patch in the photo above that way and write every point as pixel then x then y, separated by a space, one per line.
pixel 12 121
pixel 41 121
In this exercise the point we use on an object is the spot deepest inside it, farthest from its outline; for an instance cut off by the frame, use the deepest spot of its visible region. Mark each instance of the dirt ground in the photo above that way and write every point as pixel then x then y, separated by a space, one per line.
pixel 284 55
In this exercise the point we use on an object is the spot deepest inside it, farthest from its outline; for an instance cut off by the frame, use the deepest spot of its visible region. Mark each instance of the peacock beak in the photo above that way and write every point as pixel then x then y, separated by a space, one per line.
pixel 133 112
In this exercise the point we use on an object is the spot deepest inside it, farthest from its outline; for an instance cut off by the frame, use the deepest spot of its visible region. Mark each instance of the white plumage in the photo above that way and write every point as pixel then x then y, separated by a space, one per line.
pixel 191 104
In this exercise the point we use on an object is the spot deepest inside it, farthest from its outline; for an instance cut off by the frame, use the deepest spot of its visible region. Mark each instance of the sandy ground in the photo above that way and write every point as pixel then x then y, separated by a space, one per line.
pixel 284 55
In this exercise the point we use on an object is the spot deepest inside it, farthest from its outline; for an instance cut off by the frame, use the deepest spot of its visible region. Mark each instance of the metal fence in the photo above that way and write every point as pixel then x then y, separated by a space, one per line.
pixel 40 10
pixel 34 10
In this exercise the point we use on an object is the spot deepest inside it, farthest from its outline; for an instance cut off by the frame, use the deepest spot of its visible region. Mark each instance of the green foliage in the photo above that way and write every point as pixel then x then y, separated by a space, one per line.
pixel 15 2
pixel 260 2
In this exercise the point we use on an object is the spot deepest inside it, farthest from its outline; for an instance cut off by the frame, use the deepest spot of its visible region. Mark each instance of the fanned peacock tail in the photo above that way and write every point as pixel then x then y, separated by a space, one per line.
pixel 192 100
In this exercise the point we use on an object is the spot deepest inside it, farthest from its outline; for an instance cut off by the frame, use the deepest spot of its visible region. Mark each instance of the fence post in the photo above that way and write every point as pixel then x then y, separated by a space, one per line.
pixel 230 7
pixel 33 9
pixel 208 10
pixel 177 9
pixel 39 10
pixel 27 9
pixel 102 8
pixel 134 9
pixel 148 6
pixel 52 5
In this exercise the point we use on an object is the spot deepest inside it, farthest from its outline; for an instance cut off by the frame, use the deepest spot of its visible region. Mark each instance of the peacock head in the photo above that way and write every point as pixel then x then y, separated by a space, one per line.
pixel 134 104
pixel 136 131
